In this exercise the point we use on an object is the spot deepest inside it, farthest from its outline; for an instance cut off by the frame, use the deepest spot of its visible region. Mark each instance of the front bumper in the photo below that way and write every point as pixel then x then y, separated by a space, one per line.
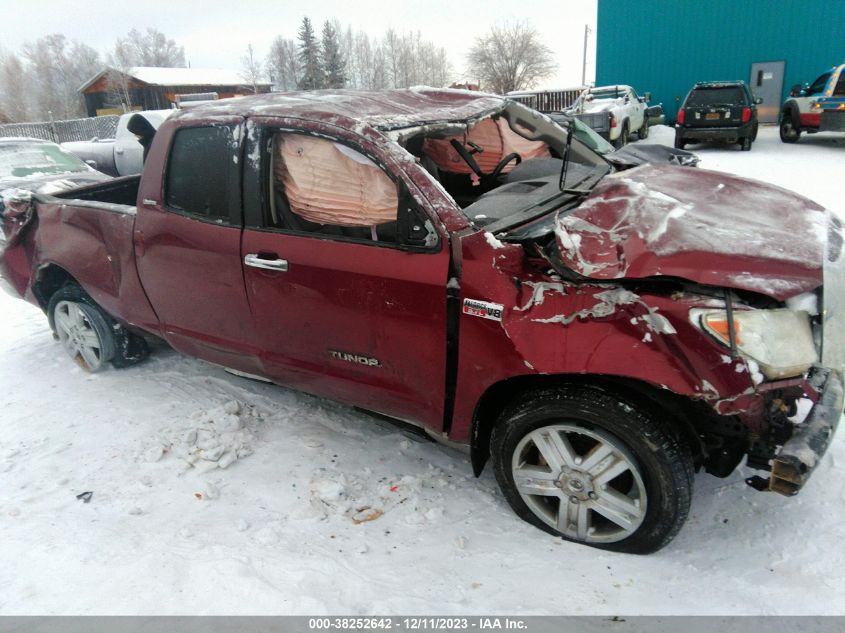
pixel 797 459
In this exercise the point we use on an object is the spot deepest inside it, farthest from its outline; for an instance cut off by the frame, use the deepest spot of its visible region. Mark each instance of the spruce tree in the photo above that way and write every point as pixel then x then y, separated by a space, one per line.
pixel 309 57
pixel 334 66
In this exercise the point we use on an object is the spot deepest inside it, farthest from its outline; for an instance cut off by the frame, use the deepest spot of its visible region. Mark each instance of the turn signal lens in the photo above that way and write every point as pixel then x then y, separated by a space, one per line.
pixel 718 325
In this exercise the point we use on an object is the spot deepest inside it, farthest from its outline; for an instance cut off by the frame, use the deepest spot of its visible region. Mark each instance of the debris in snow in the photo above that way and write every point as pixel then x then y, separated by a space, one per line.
pixel 366 514
pixel 215 438
pixel 136 511
pixel 461 542
pixel 85 497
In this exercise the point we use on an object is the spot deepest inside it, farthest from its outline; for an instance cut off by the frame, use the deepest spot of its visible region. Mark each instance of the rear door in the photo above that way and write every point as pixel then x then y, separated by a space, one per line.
pixel 187 243
pixel 342 304
pixel 766 82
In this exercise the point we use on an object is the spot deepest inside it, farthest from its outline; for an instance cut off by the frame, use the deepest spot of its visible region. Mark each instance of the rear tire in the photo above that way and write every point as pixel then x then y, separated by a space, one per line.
pixel 584 464
pixel 680 143
pixel 89 335
pixel 745 143
pixel 624 137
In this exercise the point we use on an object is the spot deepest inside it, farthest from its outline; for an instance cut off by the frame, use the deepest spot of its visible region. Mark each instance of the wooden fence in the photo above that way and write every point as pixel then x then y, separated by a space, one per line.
pixel 63 131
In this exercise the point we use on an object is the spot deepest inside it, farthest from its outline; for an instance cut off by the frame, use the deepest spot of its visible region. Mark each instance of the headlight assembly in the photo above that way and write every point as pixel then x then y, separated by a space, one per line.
pixel 779 341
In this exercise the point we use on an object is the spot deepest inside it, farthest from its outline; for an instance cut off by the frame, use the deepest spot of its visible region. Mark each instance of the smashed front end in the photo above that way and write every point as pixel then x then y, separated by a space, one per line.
pixel 722 282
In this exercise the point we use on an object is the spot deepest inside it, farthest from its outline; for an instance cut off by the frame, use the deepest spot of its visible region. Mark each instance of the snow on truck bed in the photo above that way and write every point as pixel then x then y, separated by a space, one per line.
pixel 214 494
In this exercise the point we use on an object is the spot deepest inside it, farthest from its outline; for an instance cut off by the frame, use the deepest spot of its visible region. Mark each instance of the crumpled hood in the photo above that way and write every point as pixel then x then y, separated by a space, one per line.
pixel 700 225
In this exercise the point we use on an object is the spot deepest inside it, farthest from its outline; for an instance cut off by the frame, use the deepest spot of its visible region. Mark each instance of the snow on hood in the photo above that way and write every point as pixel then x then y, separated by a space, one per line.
pixel 700 225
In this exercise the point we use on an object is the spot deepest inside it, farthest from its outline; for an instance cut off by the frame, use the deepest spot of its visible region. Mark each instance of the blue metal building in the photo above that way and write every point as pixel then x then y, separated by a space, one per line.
pixel 665 46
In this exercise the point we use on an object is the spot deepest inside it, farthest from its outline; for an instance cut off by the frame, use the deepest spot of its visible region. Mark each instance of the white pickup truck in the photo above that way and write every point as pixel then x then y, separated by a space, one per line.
pixel 615 112
pixel 122 155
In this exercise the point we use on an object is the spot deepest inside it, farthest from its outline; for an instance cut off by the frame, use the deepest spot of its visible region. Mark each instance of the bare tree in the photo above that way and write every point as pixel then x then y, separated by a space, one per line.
pixel 14 88
pixel 120 62
pixel 57 71
pixel 510 57
pixel 251 68
pixel 283 64
pixel 153 48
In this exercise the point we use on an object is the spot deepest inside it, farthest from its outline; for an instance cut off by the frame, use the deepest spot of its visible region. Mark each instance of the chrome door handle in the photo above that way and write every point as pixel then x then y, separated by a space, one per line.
pixel 268 264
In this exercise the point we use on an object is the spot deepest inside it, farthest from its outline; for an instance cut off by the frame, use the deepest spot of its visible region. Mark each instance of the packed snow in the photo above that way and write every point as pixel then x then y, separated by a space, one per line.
pixel 214 494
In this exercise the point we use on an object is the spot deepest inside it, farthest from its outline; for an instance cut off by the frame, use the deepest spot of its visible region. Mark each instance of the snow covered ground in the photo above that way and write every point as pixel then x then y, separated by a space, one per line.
pixel 327 510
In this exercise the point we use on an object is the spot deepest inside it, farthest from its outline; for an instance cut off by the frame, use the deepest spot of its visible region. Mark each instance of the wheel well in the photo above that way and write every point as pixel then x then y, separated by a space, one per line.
pixel 48 279
pixel 680 411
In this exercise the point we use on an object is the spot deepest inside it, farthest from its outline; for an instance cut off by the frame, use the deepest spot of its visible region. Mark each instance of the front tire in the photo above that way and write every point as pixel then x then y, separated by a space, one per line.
pixel 789 132
pixel 643 131
pixel 593 468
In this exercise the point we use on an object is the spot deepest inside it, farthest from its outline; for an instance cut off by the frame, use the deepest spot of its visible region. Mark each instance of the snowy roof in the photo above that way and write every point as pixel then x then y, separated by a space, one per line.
pixel 181 77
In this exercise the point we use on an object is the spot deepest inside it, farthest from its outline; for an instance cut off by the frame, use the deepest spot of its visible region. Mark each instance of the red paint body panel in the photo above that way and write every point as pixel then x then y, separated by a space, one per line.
pixel 700 225
pixel 390 305
pixel 377 302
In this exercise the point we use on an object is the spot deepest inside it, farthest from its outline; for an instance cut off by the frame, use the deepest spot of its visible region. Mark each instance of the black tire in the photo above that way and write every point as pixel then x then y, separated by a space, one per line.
pixel 663 460
pixel 745 143
pixel 642 133
pixel 680 143
pixel 789 131
pixel 624 136
pixel 116 344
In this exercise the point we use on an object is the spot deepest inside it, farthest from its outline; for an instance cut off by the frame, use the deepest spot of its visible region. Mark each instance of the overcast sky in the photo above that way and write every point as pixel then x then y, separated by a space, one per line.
pixel 215 33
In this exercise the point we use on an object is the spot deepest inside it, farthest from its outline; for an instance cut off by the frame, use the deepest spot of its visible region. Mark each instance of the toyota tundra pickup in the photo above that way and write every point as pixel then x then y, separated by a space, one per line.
pixel 459 262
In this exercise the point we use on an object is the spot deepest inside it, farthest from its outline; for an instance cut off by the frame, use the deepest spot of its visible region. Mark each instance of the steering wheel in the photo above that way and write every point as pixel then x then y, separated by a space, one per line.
pixel 504 163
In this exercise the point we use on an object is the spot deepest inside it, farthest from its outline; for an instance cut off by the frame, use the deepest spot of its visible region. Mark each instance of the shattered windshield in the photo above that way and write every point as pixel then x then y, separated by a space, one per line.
pixel 22 160
pixel 504 164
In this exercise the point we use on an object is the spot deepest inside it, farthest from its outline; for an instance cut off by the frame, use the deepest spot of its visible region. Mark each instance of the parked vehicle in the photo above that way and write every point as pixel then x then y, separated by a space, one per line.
pixel 615 112
pixel 35 165
pixel 819 107
pixel 629 156
pixel 598 334
pixel 122 155
pixel 718 110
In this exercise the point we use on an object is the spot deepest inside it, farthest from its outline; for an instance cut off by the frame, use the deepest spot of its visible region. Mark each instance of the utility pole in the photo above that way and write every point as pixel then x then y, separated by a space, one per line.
pixel 584 62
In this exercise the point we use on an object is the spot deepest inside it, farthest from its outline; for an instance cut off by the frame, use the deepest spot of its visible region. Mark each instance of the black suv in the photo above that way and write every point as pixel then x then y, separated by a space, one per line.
pixel 724 110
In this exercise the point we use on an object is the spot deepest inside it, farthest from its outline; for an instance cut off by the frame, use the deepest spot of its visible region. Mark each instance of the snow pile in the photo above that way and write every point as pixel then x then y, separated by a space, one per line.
pixel 213 438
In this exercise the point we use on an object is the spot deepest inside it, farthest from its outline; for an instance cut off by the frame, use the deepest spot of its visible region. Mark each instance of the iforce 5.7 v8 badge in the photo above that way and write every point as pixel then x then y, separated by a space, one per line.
pixel 483 309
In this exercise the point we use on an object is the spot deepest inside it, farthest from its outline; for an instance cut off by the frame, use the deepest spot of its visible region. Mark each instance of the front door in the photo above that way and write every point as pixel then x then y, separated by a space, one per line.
pixel 766 82
pixel 342 307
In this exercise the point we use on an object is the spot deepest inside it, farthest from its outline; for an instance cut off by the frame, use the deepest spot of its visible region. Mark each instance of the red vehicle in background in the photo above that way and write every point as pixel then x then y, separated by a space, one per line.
pixel 460 262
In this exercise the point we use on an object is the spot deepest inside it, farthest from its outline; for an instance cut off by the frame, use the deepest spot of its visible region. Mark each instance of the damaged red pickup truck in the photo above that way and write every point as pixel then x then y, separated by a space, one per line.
pixel 457 261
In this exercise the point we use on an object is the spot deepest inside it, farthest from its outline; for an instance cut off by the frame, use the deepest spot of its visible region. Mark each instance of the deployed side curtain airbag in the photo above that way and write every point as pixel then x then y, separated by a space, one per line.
pixel 496 138
pixel 329 183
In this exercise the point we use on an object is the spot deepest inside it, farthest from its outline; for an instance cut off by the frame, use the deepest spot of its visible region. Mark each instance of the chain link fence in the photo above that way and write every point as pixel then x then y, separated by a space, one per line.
pixel 64 131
